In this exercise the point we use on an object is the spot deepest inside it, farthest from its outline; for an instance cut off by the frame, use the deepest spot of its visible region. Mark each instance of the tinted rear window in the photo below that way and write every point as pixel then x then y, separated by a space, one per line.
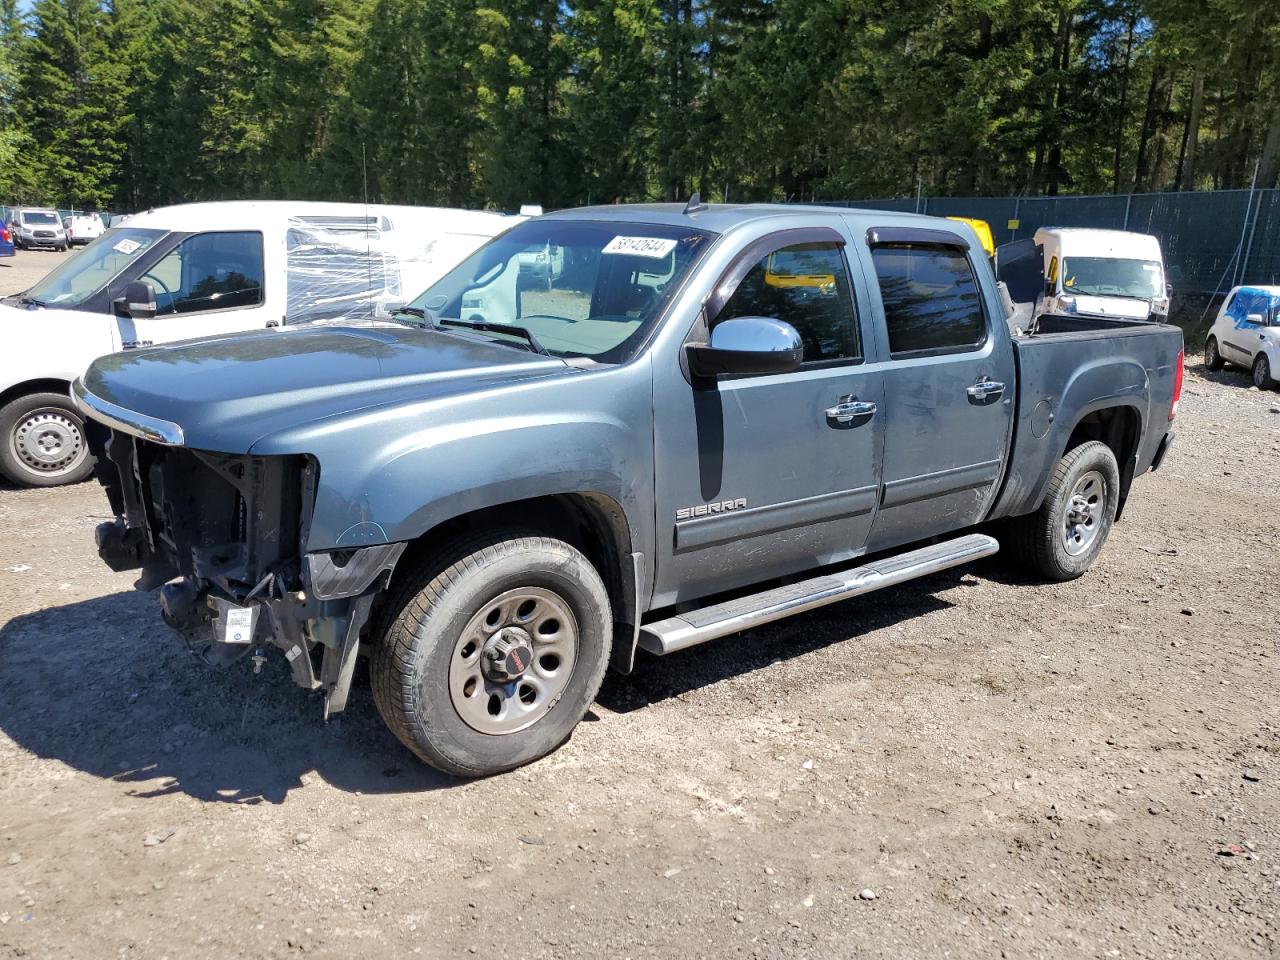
pixel 931 298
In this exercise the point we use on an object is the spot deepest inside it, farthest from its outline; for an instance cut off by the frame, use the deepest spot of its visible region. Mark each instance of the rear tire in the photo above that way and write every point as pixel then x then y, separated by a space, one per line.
pixel 1262 373
pixel 1212 358
pixel 1062 539
pixel 42 441
pixel 489 655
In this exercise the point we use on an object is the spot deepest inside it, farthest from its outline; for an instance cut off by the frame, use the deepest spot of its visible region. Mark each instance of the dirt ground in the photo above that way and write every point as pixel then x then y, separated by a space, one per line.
pixel 1012 769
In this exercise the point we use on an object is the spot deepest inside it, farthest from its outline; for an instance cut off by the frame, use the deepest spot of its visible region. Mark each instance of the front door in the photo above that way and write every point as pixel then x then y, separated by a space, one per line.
pixel 758 477
pixel 210 284
pixel 949 390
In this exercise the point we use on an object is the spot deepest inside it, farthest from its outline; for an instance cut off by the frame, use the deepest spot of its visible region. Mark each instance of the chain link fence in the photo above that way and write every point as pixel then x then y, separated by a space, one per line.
pixel 1211 240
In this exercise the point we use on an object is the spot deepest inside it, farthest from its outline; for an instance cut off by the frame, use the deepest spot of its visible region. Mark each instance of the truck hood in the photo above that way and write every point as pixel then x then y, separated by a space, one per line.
pixel 226 393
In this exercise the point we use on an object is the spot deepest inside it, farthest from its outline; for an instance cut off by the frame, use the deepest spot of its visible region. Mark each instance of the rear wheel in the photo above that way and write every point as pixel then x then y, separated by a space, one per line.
pixel 1062 539
pixel 1262 373
pixel 1212 358
pixel 42 441
pixel 488 657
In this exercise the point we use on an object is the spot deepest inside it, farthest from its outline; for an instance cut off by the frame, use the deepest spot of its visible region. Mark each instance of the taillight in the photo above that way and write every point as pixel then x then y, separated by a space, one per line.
pixel 1177 385
pixel 4 235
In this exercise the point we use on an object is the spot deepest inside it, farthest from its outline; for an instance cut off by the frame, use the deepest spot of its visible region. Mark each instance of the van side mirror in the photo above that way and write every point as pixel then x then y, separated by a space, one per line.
pixel 747 346
pixel 138 302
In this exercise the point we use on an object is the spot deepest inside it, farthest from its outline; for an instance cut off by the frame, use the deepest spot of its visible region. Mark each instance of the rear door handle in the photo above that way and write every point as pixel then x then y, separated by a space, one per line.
pixel 849 409
pixel 985 389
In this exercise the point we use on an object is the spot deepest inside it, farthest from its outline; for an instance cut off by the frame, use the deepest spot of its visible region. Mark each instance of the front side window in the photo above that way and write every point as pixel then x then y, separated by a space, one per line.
pixel 931 298
pixel 1105 277
pixel 75 280
pixel 806 285
pixel 210 271
pixel 582 288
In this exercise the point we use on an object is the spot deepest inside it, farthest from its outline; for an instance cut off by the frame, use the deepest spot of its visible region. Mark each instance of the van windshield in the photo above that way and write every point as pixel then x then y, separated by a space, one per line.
pixel 37 217
pixel 81 276
pixel 1106 277
pixel 582 288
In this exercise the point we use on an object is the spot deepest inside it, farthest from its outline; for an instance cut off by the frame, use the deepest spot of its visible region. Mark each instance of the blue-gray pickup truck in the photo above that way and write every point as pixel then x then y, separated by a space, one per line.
pixel 710 418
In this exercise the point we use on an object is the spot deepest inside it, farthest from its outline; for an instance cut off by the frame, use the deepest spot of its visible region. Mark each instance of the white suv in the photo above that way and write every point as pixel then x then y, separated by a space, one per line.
pixel 1247 333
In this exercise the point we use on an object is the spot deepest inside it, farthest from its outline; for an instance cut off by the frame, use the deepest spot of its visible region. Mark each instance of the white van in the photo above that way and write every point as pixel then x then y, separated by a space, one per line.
pixel 1098 273
pixel 200 270
pixel 83 228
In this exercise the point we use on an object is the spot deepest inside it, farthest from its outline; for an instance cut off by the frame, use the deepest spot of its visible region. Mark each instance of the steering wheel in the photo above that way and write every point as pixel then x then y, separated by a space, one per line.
pixel 164 288
pixel 546 316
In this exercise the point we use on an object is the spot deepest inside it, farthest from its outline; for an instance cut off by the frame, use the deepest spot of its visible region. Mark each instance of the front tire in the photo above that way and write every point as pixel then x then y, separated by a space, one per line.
pixel 1262 373
pixel 488 656
pixel 1212 358
pixel 42 441
pixel 1062 539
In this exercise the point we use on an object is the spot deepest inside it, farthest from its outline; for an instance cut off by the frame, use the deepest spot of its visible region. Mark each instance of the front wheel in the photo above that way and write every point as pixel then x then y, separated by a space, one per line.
pixel 488 657
pixel 1062 539
pixel 42 441
pixel 1262 373
pixel 1212 358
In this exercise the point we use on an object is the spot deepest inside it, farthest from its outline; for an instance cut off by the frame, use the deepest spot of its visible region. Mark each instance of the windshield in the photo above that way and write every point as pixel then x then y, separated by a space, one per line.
pixel 582 288
pixel 35 217
pixel 78 278
pixel 1105 277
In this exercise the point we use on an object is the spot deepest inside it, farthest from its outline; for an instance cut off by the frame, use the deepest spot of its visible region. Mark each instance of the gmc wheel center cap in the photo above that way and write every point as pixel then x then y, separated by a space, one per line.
pixel 507 654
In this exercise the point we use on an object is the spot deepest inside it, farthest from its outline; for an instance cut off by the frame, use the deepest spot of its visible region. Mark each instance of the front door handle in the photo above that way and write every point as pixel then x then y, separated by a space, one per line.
pixel 985 389
pixel 849 409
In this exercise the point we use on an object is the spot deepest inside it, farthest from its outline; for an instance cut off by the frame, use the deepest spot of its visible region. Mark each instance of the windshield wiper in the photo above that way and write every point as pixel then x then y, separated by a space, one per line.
pixel 418 312
pixel 481 325
pixel 31 301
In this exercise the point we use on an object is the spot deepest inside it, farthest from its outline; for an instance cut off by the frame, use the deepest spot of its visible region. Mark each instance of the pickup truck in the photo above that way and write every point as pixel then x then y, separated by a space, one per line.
pixel 495 510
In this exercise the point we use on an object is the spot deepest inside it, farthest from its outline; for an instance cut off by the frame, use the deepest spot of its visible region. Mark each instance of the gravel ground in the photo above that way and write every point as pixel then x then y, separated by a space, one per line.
pixel 25 267
pixel 1006 768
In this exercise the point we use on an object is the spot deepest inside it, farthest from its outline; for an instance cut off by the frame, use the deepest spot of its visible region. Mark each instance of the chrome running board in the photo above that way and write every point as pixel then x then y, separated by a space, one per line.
pixel 721 619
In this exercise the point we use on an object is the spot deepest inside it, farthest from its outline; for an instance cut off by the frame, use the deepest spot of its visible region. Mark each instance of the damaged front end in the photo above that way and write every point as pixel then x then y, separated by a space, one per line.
pixel 223 538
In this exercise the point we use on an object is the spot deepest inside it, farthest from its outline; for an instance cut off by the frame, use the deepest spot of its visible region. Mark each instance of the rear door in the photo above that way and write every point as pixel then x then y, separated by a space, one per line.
pixel 761 476
pixel 209 284
pixel 949 384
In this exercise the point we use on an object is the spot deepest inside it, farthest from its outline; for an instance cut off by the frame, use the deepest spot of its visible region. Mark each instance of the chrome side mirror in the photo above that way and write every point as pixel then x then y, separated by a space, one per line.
pixel 747 346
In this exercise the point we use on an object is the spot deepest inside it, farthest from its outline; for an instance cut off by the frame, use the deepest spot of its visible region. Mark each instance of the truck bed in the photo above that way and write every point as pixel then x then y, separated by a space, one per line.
pixel 1070 368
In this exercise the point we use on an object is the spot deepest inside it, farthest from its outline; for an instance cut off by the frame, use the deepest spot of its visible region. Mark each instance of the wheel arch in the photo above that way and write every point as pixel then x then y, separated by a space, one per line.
pixel 592 522
pixel 1119 426
pixel 36 385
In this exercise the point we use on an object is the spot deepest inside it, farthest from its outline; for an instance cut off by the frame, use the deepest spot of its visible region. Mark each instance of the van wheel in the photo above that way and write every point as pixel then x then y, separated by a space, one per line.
pixel 1212 358
pixel 1262 373
pixel 42 442
pixel 1062 539
pixel 487 657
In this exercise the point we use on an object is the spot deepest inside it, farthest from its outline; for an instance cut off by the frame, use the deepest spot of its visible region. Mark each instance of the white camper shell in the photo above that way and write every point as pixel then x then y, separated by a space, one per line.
pixel 202 270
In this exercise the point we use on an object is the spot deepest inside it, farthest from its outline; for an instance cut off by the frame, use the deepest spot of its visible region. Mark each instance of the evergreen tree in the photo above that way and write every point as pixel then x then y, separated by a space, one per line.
pixel 73 96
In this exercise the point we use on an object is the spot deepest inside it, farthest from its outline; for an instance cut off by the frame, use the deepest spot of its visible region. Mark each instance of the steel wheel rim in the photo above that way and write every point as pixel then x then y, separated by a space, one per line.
pixel 49 441
pixel 534 616
pixel 1261 371
pixel 1086 508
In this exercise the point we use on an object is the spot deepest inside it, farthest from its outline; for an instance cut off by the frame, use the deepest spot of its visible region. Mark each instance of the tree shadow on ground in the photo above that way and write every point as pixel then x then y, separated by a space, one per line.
pixel 105 687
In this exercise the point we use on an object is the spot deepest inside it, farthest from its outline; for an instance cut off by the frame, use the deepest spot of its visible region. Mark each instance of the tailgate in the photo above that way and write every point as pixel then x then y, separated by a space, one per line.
pixel 1064 378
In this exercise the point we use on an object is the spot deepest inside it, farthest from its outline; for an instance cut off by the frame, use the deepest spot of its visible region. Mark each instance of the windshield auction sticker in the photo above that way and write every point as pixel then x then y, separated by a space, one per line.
pixel 126 246
pixel 655 247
